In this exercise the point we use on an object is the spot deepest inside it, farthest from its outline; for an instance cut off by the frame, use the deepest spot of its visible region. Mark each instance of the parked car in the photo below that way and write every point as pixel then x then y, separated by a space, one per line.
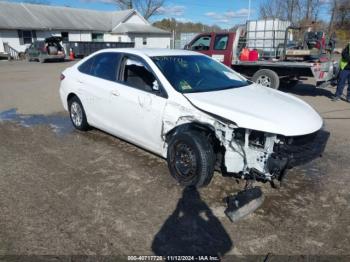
pixel 48 49
pixel 194 111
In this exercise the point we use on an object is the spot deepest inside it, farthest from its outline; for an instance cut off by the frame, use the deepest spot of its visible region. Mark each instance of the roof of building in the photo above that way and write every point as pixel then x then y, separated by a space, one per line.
pixel 137 28
pixel 45 17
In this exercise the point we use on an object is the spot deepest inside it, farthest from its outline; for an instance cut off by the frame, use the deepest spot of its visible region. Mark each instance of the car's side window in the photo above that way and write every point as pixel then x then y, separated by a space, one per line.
pixel 136 74
pixel 105 66
pixel 221 42
pixel 86 66
pixel 201 43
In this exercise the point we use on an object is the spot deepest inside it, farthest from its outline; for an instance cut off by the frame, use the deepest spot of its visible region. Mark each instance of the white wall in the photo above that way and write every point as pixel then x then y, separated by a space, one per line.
pixel 115 38
pixel 11 37
pixel 76 36
pixel 85 36
pixel 159 42
pixel 153 41
pixel 135 19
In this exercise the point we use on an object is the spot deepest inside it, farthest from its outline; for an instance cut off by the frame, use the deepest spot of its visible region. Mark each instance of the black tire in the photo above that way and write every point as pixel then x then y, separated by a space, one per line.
pixel 267 77
pixel 191 159
pixel 74 104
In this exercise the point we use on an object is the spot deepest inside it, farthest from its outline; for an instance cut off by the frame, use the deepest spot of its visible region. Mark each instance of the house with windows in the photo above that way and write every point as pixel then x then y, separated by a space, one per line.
pixel 21 24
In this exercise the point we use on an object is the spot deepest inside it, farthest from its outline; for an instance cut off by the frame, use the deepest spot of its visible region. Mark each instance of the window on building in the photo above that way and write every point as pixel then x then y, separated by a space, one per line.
pixel 65 37
pixel 97 37
pixel 26 36
pixel 144 40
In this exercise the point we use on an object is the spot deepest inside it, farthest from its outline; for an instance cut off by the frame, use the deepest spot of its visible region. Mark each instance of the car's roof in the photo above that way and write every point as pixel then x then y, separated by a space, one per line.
pixel 152 51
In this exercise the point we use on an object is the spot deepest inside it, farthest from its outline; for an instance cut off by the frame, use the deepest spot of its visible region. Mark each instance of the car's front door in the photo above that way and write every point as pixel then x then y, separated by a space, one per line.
pixel 137 105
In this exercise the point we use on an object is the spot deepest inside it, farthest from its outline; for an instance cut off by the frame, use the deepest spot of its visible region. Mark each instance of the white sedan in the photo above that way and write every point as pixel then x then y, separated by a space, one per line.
pixel 190 109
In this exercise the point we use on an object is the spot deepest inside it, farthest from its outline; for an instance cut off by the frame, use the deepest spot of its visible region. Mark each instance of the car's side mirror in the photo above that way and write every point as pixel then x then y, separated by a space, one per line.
pixel 187 47
pixel 155 86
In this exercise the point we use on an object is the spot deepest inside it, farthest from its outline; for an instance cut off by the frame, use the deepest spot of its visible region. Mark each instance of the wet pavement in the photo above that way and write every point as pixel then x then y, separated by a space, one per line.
pixel 67 192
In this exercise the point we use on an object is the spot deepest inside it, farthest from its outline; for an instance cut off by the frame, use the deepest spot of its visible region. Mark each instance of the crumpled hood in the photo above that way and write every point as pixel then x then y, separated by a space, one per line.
pixel 260 108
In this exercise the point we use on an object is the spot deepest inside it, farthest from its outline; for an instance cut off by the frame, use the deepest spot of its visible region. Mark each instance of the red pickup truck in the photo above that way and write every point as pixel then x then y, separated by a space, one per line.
pixel 284 70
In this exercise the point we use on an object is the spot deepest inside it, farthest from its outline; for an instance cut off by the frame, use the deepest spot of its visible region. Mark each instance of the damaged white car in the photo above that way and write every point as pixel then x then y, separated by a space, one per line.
pixel 197 113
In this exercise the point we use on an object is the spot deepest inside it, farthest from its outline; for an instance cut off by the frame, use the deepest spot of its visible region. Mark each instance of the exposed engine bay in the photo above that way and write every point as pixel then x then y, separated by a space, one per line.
pixel 256 155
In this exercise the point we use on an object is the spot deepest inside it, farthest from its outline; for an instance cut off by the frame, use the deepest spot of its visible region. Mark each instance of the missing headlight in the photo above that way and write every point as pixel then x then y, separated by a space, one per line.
pixel 257 139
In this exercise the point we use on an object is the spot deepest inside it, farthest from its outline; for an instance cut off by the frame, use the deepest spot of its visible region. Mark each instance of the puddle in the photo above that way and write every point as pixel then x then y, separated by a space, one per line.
pixel 60 124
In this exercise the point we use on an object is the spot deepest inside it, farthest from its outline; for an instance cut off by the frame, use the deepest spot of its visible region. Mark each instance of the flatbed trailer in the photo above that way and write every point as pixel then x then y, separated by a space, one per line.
pixel 272 72
pixel 286 73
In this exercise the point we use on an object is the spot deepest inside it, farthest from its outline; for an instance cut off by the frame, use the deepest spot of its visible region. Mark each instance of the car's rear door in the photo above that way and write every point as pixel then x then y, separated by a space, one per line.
pixel 96 86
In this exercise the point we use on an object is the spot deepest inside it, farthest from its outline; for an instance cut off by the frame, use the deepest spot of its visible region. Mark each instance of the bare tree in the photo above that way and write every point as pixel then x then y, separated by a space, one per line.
pixel 333 15
pixel 311 9
pixel 293 10
pixel 124 4
pixel 282 9
pixel 147 8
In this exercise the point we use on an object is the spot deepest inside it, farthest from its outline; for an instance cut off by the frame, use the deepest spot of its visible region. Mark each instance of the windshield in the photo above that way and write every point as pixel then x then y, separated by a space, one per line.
pixel 198 73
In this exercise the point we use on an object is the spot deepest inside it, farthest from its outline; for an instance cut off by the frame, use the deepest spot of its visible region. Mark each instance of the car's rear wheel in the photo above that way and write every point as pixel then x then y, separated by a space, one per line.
pixel 267 77
pixel 191 159
pixel 77 114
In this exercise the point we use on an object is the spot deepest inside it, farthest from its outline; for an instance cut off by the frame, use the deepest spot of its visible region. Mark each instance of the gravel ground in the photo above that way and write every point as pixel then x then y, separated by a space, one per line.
pixel 63 192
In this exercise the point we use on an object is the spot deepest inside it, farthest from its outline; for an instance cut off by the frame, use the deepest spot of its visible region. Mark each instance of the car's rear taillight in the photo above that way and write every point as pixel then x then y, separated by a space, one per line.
pixel 62 76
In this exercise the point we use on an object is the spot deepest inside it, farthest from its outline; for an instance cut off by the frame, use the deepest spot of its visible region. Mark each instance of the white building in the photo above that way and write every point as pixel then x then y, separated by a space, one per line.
pixel 21 24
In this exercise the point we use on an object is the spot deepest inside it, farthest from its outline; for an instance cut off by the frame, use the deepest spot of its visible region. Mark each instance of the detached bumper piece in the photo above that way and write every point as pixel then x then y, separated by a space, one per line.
pixel 243 203
pixel 302 149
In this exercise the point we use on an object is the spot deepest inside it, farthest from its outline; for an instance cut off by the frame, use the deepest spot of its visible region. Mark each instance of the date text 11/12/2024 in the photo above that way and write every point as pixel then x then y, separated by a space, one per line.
pixel 173 258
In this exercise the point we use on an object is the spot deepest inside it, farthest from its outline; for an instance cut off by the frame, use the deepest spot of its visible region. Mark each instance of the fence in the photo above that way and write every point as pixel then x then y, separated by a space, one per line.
pixel 82 49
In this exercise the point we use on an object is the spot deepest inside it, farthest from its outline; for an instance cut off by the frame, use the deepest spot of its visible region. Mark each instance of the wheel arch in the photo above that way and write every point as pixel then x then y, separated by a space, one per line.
pixel 207 129
pixel 70 96
pixel 188 127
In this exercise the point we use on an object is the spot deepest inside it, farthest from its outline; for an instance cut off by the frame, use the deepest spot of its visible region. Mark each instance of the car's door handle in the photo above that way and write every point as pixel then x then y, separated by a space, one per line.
pixel 115 92
pixel 80 81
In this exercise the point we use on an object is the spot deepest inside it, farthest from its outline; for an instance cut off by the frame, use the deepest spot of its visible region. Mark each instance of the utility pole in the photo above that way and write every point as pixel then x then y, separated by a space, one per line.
pixel 130 4
pixel 249 9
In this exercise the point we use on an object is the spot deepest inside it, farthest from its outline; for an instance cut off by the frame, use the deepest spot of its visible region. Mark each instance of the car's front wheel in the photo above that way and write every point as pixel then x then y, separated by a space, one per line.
pixel 191 159
pixel 77 114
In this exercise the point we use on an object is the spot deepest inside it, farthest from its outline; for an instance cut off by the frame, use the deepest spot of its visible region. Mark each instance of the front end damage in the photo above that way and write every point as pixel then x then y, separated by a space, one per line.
pixel 246 154
pixel 261 156
pixel 250 154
